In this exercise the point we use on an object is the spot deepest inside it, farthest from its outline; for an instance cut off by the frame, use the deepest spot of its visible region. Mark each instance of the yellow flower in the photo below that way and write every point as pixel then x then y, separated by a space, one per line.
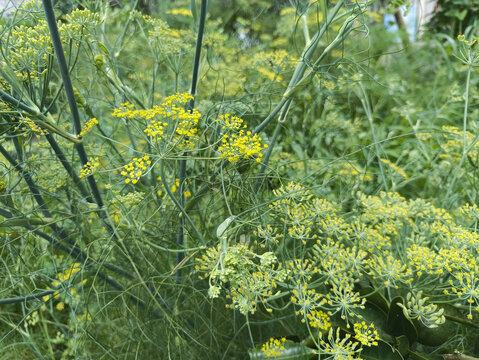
pixel 89 124
pixel 238 143
pixel 273 347
pixel 135 169
pixel 179 11
pixel 89 167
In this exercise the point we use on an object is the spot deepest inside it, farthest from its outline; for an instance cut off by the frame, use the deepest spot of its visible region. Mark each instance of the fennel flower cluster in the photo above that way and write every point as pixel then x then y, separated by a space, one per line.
pixel 135 169
pixel 337 261
pixel 273 347
pixel 251 278
pixel 89 168
pixel 88 126
pixel 171 112
pixel 28 48
pixel 237 142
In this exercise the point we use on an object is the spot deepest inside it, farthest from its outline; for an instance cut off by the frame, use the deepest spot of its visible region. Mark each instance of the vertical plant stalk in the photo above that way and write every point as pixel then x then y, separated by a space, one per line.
pixel 369 113
pixel 191 104
pixel 466 105
pixel 62 63
pixel 465 149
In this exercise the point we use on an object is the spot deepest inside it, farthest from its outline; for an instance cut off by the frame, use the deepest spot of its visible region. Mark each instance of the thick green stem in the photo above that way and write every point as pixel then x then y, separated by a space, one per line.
pixel 304 21
pixel 25 222
pixel 191 105
pixel 62 63
pixel 20 299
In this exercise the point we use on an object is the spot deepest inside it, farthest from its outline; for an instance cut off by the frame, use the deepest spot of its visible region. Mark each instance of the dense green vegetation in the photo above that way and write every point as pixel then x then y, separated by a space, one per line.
pixel 237 179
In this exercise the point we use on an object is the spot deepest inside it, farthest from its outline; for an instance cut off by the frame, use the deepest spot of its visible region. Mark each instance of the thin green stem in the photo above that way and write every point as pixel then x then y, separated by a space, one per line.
pixel 178 205
pixel 73 251
pixel 35 191
pixel 66 164
pixel 369 113
pixel 264 164
pixel 90 113
pixel 304 22
pixel 466 103
pixel 297 81
pixel 194 11
pixel 461 321
pixel 298 76
pixel 465 149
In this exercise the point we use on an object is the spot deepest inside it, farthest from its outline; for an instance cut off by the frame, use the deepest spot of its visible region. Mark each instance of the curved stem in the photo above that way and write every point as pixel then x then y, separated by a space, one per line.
pixel 43 121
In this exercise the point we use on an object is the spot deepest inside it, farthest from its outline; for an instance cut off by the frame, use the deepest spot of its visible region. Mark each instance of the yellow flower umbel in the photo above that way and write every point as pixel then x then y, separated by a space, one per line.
pixel 237 143
pixel 171 111
pixel 338 347
pixel 273 347
pixel 28 51
pixel 88 126
pixel 395 168
pixel 367 335
pixel 135 169
pixel 34 127
pixel 462 39
pixel 179 11
pixel 89 168
pixel 319 319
